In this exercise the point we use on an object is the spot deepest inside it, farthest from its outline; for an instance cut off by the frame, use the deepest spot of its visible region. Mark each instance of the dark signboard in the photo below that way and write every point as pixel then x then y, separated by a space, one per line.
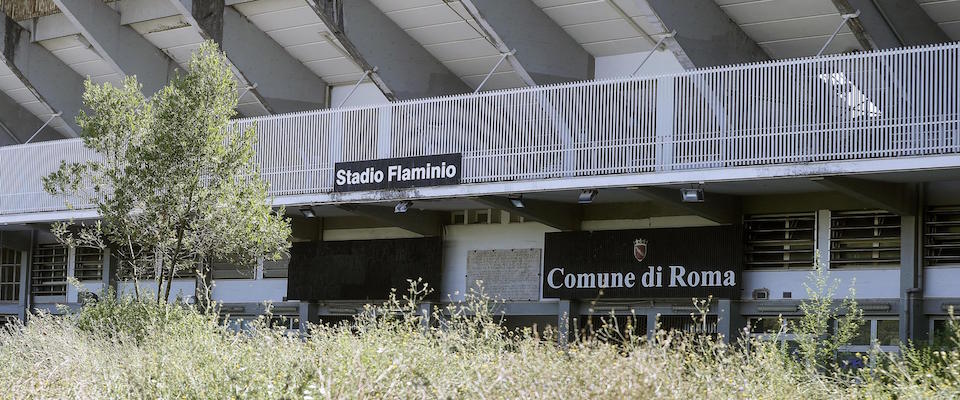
pixel 397 173
pixel 643 263
pixel 362 269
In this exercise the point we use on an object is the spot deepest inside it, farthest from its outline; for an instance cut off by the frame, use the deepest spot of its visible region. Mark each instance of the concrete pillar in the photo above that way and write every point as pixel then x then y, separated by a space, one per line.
pixel 426 312
pixel 565 317
pixel 913 322
pixel 652 317
pixel 729 319
pixel 308 314
pixel 108 273
pixel 72 291
pixel 25 265
pixel 823 237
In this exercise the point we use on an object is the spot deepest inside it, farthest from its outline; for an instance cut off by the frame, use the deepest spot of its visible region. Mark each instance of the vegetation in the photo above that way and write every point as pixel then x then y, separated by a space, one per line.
pixel 176 186
pixel 133 349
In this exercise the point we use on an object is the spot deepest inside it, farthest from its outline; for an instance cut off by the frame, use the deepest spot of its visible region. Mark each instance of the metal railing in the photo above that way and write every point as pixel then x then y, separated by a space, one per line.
pixel 892 103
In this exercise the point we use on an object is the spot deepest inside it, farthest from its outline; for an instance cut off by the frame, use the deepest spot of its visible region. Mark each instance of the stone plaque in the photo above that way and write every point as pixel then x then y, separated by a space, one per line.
pixel 511 274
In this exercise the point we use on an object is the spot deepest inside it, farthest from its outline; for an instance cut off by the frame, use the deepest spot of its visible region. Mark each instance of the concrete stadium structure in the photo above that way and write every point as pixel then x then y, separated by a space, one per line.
pixel 808 127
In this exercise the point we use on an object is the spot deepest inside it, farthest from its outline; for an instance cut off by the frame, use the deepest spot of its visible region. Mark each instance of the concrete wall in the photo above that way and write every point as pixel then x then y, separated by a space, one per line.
pixel 660 62
pixel 367 94
pixel 250 290
pixel 868 283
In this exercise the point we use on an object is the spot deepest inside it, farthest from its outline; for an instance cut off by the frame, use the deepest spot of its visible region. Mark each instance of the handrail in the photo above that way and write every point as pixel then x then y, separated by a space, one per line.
pixel 888 103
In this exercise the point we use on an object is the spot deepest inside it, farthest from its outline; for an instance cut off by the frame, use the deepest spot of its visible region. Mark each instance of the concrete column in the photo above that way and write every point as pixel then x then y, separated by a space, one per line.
pixel 426 311
pixel 72 291
pixel 26 301
pixel 913 322
pixel 729 319
pixel 665 124
pixel 565 315
pixel 823 237
pixel 108 275
pixel 24 297
pixel 308 313
pixel 652 317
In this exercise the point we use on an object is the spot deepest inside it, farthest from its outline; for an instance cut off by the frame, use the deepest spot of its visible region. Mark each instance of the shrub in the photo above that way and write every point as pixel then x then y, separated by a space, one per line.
pixel 129 349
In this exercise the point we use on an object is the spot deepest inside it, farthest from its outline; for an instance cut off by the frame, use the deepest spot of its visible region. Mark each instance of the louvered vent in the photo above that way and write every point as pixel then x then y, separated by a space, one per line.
pixel 864 239
pixel 779 241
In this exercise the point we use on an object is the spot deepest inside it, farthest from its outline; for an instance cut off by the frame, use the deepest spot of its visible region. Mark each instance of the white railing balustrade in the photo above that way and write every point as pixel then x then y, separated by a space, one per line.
pixel 893 103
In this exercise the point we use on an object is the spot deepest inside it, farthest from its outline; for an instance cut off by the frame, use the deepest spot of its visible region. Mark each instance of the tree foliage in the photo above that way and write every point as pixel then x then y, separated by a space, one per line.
pixel 176 184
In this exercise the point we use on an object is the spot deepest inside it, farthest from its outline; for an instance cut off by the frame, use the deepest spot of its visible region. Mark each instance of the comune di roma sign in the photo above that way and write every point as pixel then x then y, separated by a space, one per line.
pixel 643 263
pixel 397 173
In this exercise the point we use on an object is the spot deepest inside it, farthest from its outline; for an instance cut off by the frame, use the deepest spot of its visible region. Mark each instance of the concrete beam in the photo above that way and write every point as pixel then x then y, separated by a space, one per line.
pixel 51 81
pixel 283 83
pixel 719 208
pixel 403 64
pixel 706 37
pixel 423 222
pixel 330 17
pixel 893 197
pixel 17 124
pixel 545 52
pixel 306 229
pixel 885 24
pixel 562 216
pixel 119 45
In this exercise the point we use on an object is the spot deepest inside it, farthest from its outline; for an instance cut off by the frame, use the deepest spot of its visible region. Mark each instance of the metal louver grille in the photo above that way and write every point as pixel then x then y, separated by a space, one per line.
pixel 48 275
pixel 779 241
pixel 89 264
pixel 941 236
pixel 9 275
pixel 864 239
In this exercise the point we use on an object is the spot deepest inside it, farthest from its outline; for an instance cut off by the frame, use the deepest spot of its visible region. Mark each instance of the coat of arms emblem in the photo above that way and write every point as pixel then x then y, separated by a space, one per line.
pixel 640 249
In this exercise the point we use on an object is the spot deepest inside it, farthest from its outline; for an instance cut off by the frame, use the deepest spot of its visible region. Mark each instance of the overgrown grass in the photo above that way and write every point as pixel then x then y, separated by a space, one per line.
pixel 127 349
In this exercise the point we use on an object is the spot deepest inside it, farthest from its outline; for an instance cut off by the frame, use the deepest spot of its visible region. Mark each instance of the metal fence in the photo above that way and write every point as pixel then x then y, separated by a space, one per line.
pixel 892 103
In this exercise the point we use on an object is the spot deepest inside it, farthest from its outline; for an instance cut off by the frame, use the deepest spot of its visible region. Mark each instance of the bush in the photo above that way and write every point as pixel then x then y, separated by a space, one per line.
pixel 128 349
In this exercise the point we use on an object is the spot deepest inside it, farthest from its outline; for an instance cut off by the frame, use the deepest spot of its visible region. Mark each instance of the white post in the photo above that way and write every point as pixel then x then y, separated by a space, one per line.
pixel 665 123
pixel 823 237
pixel 384 118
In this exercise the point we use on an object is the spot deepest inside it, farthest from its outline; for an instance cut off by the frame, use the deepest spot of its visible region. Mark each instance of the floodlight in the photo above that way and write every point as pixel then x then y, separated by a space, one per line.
pixel 691 195
pixel 402 206
pixel 307 211
pixel 587 196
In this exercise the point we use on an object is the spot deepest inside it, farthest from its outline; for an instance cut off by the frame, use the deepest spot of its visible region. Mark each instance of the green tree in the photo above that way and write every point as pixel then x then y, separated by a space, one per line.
pixel 817 340
pixel 175 183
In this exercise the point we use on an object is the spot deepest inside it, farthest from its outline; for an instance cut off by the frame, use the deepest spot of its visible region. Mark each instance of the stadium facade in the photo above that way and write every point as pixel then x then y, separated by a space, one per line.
pixel 579 157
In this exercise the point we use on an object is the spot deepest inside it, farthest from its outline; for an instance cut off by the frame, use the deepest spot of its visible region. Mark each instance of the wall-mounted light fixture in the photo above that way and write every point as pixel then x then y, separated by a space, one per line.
pixel 587 196
pixel 402 206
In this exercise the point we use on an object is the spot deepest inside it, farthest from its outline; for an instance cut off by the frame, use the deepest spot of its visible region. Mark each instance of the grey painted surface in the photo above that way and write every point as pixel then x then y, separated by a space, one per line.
pixel 913 323
pixel 706 36
pixel 544 49
pixel 895 23
pixel 423 222
pixel 49 78
pixel 404 65
pixel 21 124
pixel 283 82
pixel 121 46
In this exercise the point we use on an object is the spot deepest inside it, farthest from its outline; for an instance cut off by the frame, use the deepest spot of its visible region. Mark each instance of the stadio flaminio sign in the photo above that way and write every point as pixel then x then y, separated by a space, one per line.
pixel 398 173
pixel 645 263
